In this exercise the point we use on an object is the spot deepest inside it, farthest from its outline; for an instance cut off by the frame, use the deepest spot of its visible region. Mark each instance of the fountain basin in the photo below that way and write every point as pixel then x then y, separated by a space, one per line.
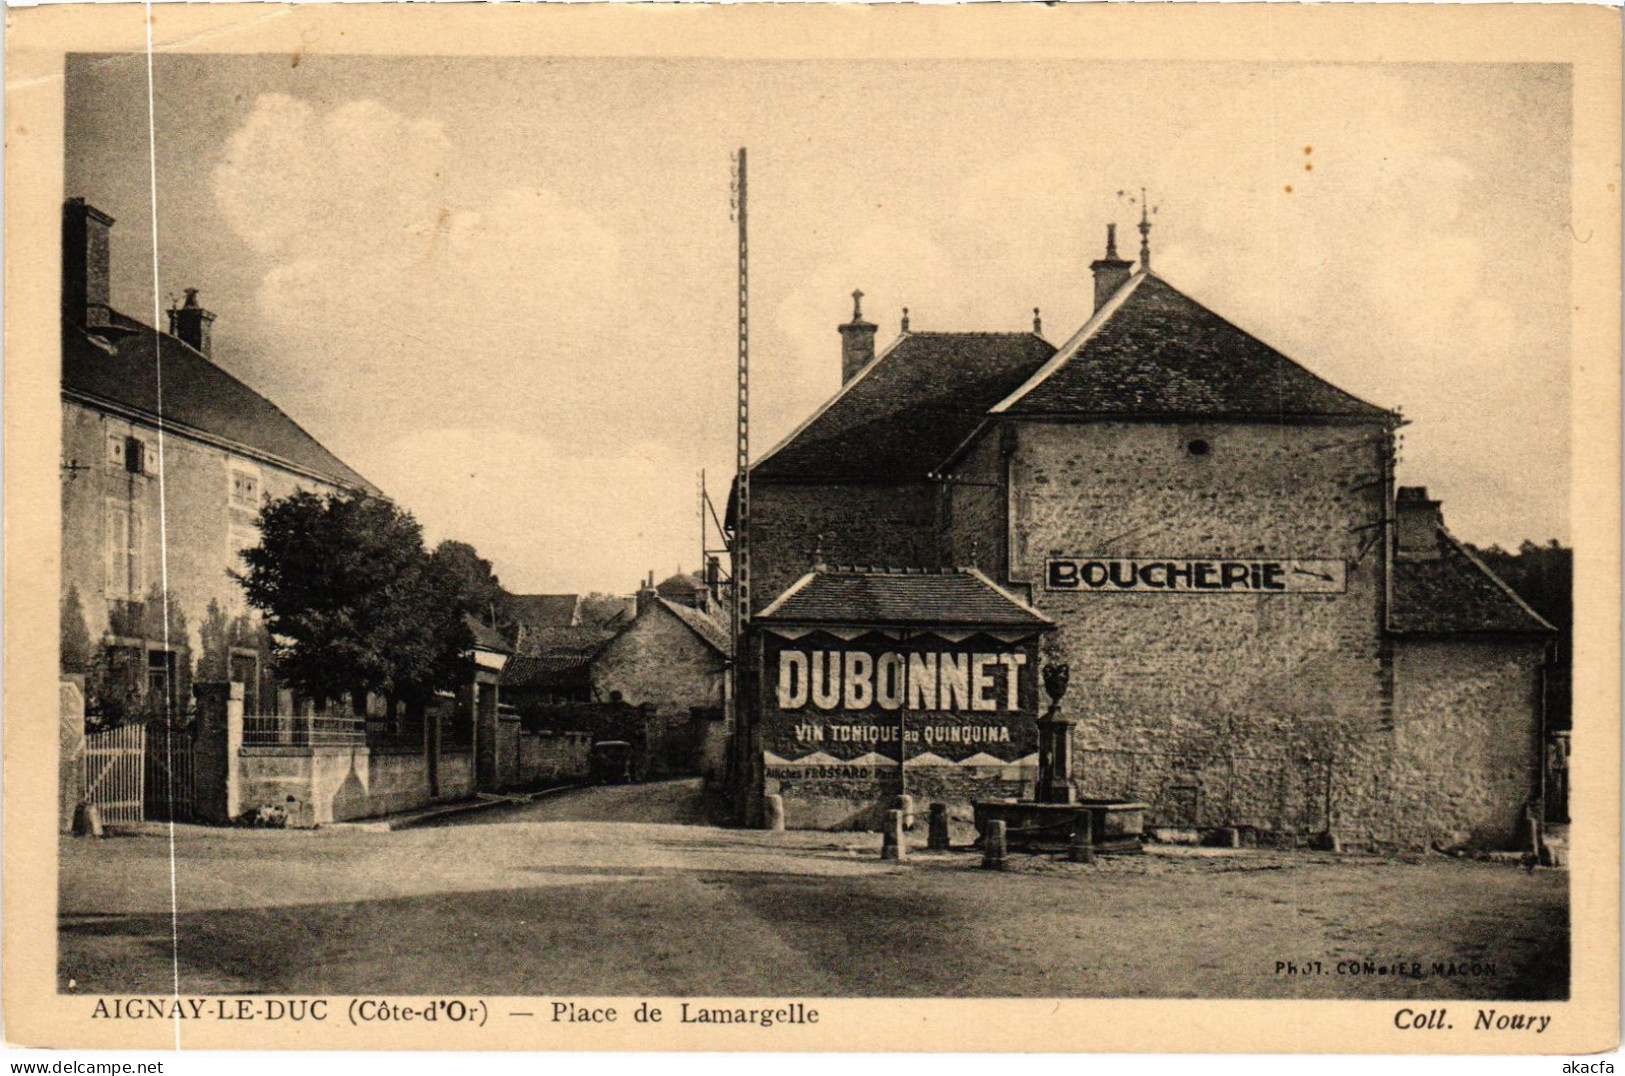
pixel 1047 827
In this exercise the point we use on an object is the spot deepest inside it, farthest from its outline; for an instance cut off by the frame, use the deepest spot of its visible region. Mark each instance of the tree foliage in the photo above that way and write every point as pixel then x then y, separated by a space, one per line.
pixel 477 590
pixel 352 598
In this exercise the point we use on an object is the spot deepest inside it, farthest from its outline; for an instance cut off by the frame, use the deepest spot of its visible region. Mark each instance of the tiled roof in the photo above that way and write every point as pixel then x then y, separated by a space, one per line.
pixel 485 636
pixel 960 597
pixel 197 395
pixel 546 610
pixel 909 409
pixel 1152 351
pixel 704 626
pixel 681 586
pixel 554 657
pixel 1457 594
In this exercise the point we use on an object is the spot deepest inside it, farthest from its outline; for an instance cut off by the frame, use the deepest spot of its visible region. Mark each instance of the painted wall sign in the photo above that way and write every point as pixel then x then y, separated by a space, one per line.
pixel 829 701
pixel 1189 575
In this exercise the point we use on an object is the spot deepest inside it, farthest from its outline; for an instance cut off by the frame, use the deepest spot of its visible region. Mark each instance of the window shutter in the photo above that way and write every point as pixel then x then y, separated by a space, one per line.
pixel 138 561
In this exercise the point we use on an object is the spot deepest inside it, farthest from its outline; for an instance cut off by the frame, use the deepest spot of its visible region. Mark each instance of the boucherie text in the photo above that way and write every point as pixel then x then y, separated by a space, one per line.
pixel 859 680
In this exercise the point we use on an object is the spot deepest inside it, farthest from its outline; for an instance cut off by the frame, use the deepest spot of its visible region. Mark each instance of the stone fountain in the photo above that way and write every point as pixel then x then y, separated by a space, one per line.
pixel 1048 821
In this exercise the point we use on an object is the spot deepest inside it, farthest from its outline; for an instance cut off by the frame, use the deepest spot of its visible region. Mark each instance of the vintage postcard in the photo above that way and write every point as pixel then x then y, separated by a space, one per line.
pixel 765 528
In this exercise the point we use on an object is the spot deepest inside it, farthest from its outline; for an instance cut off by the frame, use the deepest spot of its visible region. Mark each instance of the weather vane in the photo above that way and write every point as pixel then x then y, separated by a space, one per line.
pixel 1147 211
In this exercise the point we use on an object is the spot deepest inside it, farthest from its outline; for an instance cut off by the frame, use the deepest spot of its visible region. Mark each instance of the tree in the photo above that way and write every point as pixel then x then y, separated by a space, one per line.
pixel 74 655
pixel 476 588
pixel 351 598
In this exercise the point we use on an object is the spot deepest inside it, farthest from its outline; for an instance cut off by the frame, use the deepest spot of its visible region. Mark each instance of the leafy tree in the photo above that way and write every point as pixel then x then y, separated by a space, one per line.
pixel 74 655
pixel 351 598
pixel 476 589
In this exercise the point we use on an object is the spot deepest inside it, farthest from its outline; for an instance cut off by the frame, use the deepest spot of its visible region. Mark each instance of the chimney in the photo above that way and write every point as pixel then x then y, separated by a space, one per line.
pixel 857 341
pixel 1111 272
pixel 191 324
pixel 1417 522
pixel 713 577
pixel 646 595
pixel 86 290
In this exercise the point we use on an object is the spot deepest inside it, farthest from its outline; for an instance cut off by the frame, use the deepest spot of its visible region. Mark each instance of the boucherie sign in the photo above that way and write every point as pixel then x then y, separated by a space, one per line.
pixel 838 699
pixel 1214 575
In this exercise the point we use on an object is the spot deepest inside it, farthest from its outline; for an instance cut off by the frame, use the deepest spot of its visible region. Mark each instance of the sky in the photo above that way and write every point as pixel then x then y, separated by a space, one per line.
pixel 503 289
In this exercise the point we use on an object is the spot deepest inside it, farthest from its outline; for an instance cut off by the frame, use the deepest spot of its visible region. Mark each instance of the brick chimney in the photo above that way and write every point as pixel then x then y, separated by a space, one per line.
pixel 1111 272
pixel 192 324
pixel 1417 522
pixel 647 595
pixel 86 290
pixel 857 341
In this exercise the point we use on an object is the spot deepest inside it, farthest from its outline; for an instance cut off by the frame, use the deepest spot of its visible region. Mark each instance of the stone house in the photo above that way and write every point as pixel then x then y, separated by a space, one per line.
pixel 675 658
pixel 1262 631
pixel 218 452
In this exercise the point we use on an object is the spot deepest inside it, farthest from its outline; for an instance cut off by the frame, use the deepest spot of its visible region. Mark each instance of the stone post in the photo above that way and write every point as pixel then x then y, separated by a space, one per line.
pixel 773 813
pixel 219 747
pixel 905 803
pixel 71 761
pixel 993 846
pixel 937 838
pixel 891 838
pixel 1083 838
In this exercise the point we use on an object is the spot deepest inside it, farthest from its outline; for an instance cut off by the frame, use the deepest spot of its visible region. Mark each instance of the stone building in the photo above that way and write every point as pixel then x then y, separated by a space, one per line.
pixel 675 658
pixel 223 448
pixel 1262 631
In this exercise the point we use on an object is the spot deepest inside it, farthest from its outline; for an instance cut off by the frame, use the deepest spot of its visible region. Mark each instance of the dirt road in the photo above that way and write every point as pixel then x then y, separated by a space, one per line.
pixel 582 893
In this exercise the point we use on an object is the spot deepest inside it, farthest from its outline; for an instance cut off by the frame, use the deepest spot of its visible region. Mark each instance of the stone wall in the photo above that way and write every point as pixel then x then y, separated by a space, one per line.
pixel 894 525
pixel 547 757
pixel 1187 682
pixel 1468 750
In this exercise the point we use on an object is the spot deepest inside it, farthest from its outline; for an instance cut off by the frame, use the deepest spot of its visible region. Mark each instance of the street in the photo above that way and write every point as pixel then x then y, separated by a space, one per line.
pixel 630 890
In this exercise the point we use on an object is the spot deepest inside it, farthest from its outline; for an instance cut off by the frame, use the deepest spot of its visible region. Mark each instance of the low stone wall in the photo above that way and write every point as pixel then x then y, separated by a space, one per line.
pixel 545 757
pixel 858 803
pixel 456 773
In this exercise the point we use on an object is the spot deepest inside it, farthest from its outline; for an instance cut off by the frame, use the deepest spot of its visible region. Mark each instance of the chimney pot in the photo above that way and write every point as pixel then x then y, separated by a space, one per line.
pixel 193 325
pixel 1111 272
pixel 857 341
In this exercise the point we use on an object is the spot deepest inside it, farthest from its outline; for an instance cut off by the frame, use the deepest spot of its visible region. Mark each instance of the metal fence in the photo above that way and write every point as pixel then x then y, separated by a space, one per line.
pixel 114 772
pixel 170 775
pixel 296 730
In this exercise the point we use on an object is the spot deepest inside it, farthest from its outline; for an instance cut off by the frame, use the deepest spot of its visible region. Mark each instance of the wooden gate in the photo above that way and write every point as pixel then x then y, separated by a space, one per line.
pixel 169 775
pixel 114 771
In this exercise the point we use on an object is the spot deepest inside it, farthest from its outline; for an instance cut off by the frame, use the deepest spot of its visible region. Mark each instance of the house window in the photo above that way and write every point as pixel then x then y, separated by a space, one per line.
pixel 245 489
pixel 124 539
pixel 133 455
pixel 161 687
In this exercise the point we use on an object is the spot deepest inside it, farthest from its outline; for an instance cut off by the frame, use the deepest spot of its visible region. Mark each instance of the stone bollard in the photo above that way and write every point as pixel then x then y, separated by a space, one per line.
pixel 1232 837
pixel 993 846
pixel 937 840
pixel 87 820
pixel 773 812
pixel 1083 838
pixel 905 803
pixel 891 838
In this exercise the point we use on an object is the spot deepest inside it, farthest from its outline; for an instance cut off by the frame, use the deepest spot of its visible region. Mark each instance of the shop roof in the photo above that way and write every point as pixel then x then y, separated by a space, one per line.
pixel 906 411
pixel 123 370
pixel 1152 351
pixel 949 598
pixel 1457 594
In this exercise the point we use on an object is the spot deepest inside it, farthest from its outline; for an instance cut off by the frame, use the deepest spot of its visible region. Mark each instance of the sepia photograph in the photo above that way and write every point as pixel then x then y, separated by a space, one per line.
pixel 763 531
